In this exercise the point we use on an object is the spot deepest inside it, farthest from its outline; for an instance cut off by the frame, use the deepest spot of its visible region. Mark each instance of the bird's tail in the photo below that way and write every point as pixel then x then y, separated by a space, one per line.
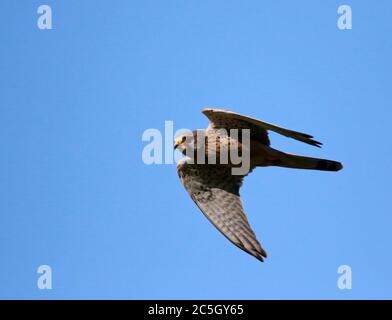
pixel 300 162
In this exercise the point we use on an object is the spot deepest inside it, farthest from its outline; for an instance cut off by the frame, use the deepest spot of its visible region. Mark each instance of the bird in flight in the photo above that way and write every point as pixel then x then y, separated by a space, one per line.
pixel 213 186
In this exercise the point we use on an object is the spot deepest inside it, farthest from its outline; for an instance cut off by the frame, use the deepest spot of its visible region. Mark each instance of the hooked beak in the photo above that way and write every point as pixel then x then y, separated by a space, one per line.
pixel 177 142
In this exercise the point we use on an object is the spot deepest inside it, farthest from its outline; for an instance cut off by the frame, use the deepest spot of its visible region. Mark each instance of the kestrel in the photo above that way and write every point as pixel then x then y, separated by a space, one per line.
pixel 213 186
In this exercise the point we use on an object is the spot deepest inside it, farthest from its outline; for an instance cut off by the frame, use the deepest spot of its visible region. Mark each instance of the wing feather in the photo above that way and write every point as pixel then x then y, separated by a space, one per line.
pixel 216 192
pixel 220 118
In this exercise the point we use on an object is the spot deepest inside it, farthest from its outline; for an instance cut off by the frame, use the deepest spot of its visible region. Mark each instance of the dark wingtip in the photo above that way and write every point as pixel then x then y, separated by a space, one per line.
pixel 317 144
pixel 260 255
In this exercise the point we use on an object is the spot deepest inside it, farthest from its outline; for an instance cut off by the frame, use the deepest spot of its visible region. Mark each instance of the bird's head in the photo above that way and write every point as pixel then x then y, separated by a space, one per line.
pixel 184 142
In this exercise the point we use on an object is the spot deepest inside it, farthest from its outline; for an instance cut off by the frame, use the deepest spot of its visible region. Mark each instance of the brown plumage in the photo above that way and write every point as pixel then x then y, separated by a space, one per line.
pixel 213 186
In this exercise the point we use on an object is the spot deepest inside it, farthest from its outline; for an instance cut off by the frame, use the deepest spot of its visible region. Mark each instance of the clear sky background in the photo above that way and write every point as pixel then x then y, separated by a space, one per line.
pixel 76 195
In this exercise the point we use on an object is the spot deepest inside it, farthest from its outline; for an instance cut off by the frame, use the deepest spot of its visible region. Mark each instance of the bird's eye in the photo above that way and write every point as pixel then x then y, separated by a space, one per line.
pixel 183 139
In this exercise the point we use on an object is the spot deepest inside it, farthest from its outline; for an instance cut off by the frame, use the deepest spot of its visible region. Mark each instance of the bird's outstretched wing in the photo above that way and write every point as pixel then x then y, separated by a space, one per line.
pixel 220 118
pixel 216 192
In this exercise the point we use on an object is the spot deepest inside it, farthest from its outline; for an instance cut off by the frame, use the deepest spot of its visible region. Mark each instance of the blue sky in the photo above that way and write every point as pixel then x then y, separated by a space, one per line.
pixel 76 195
